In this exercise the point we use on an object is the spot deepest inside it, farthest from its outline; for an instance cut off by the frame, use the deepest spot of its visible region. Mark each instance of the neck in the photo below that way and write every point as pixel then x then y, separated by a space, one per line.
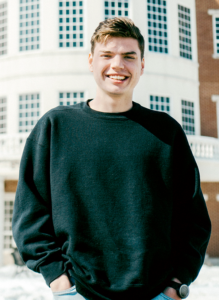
pixel 111 103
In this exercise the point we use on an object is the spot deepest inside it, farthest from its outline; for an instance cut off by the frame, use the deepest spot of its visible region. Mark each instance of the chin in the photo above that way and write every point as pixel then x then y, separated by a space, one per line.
pixel 115 91
pixel 111 93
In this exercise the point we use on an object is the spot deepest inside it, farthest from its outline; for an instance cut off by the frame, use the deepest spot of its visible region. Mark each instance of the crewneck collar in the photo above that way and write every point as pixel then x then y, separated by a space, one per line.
pixel 121 116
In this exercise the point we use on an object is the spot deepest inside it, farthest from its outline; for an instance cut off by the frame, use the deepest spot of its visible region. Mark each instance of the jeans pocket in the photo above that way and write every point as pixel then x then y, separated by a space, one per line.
pixel 71 291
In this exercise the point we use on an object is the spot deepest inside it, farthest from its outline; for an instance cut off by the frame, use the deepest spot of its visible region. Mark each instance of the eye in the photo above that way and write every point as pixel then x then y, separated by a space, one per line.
pixel 130 57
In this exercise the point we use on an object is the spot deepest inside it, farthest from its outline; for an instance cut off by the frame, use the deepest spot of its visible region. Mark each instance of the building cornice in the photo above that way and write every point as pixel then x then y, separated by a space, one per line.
pixel 212 12
pixel 215 98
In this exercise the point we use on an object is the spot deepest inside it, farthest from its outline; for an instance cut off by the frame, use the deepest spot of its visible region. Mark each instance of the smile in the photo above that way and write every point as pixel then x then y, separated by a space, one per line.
pixel 117 77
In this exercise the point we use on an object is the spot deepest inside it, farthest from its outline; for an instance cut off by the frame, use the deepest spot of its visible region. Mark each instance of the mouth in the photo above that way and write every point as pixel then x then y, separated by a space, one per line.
pixel 118 78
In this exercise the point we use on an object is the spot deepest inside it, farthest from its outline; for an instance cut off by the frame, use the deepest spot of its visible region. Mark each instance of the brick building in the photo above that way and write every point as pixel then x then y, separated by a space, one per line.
pixel 207 16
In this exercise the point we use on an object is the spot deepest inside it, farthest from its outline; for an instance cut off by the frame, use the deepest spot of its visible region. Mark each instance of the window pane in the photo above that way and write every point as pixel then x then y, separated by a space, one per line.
pixel 71 98
pixel 157 23
pixel 30 39
pixel 184 31
pixel 28 113
pixel 160 103
pixel 120 8
pixel 73 36
pixel 188 118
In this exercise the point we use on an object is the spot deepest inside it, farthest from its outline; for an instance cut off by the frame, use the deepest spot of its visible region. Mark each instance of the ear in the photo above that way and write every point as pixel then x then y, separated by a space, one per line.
pixel 90 62
pixel 142 65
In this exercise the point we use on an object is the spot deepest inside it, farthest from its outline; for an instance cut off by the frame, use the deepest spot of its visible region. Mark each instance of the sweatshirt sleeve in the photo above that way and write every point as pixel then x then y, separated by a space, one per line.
pixel 32 224
pixel 191 226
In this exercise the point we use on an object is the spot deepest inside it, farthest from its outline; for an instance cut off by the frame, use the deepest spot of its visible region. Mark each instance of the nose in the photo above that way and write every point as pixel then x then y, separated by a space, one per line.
pixel 117 62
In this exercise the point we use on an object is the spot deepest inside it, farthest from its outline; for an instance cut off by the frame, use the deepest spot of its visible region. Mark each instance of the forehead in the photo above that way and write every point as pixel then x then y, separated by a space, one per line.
pixel 119 45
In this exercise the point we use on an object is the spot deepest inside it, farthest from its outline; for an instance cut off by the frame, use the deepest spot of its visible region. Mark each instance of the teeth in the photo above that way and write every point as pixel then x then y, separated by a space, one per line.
pixel 117 77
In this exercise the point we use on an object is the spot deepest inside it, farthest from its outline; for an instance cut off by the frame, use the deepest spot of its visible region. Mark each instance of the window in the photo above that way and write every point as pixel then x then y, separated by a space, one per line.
pixel 3 115
pixel 116 8
pixel 3 29
pixel 160 103
pixel 216 35
pixel 71 20
pixel 29 111
pixel 29 25
pixel 185 39
pixel 157 26
pixel 8 212
pixel 188 118
pixel 71 98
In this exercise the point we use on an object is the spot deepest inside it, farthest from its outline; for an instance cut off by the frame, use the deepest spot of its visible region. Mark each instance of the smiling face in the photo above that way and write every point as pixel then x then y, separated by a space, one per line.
pixel 117 66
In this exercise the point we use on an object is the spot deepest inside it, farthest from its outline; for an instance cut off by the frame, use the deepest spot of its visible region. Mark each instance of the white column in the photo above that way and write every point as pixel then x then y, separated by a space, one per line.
pixel 1 219
pixel 215 98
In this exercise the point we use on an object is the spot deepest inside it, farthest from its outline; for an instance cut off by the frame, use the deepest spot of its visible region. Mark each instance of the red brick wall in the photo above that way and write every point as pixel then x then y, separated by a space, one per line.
pixel 208 67
pixel 212 189
pixel 10 186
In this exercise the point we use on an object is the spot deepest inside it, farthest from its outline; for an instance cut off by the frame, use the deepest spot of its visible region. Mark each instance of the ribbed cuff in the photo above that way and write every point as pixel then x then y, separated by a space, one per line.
pixel 52 271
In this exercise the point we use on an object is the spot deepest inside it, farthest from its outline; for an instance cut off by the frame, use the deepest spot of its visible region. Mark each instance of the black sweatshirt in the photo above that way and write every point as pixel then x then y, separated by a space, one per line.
pixel 113 199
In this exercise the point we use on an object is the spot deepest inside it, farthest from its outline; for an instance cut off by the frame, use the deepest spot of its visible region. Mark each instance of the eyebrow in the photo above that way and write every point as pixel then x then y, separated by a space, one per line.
pixel 126 53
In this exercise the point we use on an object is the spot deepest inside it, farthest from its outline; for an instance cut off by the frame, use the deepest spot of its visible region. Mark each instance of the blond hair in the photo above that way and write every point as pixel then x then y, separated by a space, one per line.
pixel 117 27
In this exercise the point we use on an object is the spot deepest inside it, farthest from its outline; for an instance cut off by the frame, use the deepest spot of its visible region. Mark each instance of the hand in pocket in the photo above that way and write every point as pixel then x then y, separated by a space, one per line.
pixel 62 283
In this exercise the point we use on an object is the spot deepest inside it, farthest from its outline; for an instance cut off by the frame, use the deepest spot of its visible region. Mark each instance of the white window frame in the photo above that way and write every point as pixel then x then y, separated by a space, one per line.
pixel 187 115
pixel 71 24
pixel 30 110
pixel 8 233
pixel 110 16
pixel 215 98
pixel 71 98
pixel 215 14
pixel 158 95
pixel 2 113
pixel 183 35
pixel 152 36
pixel 29 28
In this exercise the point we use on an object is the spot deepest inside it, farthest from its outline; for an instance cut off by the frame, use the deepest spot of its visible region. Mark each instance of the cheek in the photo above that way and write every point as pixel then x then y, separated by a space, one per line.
pixel 100 70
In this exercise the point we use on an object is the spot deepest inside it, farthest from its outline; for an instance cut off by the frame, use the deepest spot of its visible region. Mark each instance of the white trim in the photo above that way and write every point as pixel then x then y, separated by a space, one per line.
pixel 217 197
pixel 215 98
pixel 9 196
pixel 194 33
pixel 131 9
pixel 212 12
pixel 205 197
pixel 215 14
pixel 169 32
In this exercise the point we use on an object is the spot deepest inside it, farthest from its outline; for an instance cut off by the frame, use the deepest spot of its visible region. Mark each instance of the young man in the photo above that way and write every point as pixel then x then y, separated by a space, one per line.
pixel 108 204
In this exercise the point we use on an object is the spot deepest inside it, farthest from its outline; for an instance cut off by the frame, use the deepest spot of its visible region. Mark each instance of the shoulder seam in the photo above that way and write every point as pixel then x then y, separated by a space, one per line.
pixel 36 141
